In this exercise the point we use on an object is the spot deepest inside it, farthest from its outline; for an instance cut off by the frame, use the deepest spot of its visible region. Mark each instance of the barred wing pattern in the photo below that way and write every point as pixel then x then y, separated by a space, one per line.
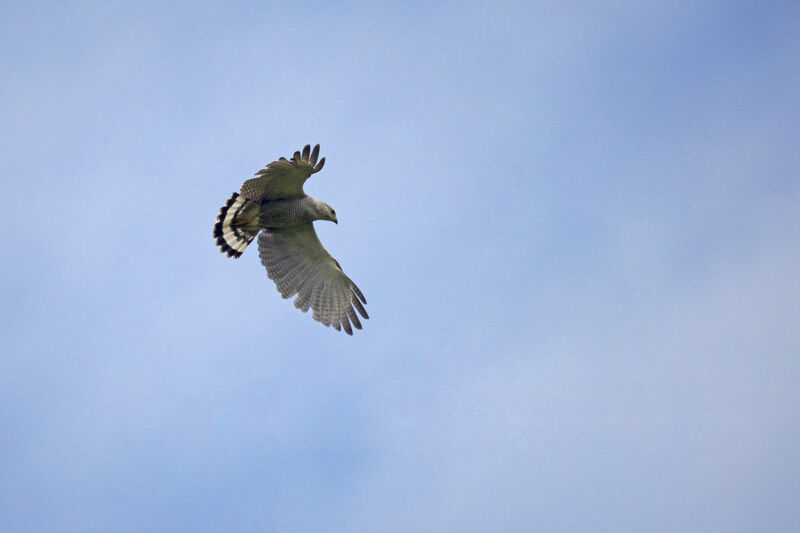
pixel 298 264
pixel 284 178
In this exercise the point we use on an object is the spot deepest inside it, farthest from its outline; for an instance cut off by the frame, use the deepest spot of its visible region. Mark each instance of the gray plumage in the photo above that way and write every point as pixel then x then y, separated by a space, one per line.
pixel 274 204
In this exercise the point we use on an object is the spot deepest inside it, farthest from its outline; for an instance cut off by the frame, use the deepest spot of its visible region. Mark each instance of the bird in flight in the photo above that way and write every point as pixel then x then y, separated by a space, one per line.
pixel 274 206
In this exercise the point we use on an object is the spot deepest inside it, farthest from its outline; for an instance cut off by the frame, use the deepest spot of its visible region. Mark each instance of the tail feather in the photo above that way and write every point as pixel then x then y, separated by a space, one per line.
pixel 235 227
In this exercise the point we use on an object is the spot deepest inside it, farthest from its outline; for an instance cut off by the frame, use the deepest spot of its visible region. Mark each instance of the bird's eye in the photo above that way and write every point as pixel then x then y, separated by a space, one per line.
pixel 333 212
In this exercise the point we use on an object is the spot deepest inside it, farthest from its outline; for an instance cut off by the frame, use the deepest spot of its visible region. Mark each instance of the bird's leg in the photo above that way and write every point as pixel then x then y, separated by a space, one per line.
pixel 247 217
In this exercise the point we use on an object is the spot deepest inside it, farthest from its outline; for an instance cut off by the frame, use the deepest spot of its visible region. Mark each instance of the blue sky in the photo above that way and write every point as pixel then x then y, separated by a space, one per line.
pixel 577 227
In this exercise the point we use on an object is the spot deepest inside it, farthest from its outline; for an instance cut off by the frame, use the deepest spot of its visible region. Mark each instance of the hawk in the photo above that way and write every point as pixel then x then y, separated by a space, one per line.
pixel 274 206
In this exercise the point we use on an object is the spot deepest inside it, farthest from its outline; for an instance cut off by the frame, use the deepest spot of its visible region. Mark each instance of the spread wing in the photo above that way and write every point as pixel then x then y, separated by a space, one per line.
pixel 298 264
pixel 283 178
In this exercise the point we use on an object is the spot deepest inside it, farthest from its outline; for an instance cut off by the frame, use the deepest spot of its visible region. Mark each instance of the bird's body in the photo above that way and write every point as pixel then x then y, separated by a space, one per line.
pixel 285 213
pixel 278 214
pixel 275 205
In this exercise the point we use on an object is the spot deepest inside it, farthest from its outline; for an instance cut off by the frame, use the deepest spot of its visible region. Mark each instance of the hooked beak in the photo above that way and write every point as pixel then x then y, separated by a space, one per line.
pixel 335 221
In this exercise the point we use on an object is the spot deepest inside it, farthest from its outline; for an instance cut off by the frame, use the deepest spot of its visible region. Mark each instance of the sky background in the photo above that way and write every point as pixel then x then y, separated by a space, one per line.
pixel 577 227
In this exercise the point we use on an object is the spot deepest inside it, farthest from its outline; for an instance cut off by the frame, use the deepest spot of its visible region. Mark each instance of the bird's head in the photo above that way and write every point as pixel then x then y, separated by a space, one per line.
pixel 328 213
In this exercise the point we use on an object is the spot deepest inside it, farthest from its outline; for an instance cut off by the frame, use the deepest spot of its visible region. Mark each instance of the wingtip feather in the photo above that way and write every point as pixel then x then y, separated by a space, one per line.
pixel 346 326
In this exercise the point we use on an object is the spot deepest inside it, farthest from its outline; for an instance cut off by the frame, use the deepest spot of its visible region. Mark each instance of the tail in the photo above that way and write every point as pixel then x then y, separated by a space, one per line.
pixel 237 225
